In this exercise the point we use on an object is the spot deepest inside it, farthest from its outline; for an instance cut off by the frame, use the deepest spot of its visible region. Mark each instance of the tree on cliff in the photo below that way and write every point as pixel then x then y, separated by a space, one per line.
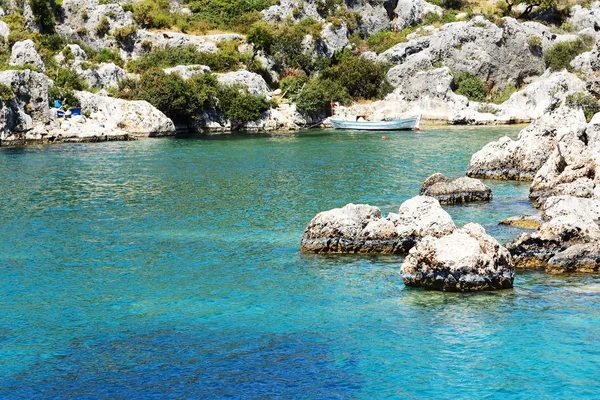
pixel 530 4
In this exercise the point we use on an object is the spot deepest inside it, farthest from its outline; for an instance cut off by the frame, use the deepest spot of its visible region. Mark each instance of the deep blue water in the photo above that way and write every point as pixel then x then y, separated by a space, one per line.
pixel 169 268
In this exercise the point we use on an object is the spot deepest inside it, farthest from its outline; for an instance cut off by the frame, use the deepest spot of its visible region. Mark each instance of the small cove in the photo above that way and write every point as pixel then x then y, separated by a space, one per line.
pixel 170 268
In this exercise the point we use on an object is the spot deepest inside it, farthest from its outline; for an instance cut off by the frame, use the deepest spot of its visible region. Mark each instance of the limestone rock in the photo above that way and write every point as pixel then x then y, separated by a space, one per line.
pixel 539 97
pixel 136 117
pixel 460 190
pixel 108 75
pixel 254 82
pixel 24 53
pixel 521 159
pixel 586 18
pixel 361 229
pixel 466 260
pixel 4 31
pixel 187 71
pixel 566 226
pixel 334 38
pixel 29 104
pixel 577 258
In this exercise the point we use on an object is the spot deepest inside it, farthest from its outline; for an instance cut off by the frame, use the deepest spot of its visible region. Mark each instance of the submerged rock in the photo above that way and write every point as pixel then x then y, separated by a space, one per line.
pixel 461 190
pixel 524 221
pixel 466 260
pixel 361 229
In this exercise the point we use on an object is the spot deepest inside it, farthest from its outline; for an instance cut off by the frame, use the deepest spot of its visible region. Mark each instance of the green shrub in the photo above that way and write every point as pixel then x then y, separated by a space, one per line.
pixel 14 21
pixel 68 78
pixel 171 94
pixel 152 13
pixel 535 42
pixel 226 59
pixel 487 108
pixel 261 36
pixel 6 93
pixel 382 41
pixel 470 86
pixel 292 85
pixel 237 15
pixel 317 95
pixel 67 96
pixel 504 94
pixel 586 102
pixel 125 34
pixel 363 79
pixel 103 27
pixel 42 14
pixel 127 7
pixel 105 56
pixel 239 105
pixel 559 56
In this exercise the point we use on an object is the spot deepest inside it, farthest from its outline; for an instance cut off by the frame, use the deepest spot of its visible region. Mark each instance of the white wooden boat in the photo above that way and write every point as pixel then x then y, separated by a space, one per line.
pixel 396 125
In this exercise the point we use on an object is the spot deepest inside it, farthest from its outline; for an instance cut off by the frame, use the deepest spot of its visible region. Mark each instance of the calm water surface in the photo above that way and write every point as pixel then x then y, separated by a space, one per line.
pixel 170 269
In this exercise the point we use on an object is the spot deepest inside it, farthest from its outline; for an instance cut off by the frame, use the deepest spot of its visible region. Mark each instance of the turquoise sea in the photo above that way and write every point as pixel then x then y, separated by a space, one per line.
pixel 169 268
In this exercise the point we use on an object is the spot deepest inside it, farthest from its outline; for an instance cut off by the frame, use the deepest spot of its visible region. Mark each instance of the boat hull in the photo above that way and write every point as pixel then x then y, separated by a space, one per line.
pixel 397 125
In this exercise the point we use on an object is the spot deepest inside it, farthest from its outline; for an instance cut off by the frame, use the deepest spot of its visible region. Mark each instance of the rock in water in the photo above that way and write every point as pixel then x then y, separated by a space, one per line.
pixel 461 190
pixel 577 258
pixel 523 221
pixel 570 221
pixel 466 260
pixel 359 228
pixel 521 159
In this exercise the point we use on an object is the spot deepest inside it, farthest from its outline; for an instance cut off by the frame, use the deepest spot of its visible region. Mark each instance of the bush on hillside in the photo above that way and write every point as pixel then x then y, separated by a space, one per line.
pixel 559 56
pixel 226 59
pixel 125 34
pixel 470 86
pixel 103 27
pixel 586 102
pixel 236 15
pixel 6 93
pixel 292 85
pixel 43 15
pixel 239 105
pixel 362 79
pixel 152 13
pixel 317 95
pixel 174 96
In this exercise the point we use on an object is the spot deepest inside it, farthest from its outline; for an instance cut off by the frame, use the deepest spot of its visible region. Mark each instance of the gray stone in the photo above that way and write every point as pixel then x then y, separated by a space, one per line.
pixel 468 259
pixel 187 71
pixel 4 31
pixel 24 53
pixel 521 159
pixel 583 258
pixel 135 117
pixel 254 82
pixel 460 190
pixel 523 221
pixel 360 228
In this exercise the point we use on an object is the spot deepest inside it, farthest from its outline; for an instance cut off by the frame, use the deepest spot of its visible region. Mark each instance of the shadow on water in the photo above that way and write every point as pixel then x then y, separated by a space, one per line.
pixel 209 364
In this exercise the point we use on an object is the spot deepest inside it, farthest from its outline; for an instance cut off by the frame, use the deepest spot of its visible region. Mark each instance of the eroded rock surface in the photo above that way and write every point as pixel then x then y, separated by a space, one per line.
pixel 460 190
pixel 361 229
pixel 521 159
pixel 466 260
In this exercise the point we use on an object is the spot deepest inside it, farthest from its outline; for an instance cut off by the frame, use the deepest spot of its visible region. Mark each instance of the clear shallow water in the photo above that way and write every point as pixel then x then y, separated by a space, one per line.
pixel 170 269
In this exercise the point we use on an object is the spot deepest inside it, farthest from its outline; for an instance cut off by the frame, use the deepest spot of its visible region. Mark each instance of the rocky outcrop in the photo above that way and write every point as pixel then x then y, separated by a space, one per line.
pixel 107 75
pixel 496 54
pixel 585 18
pixel 361 229
pixel 254 82
pixel 460 190
pixel 24 53
pixel 569 221
pixel 4 31
pixel 540 97
pixel 571 167
pixel 468 259
pixel 135 117
pixel 334 38
pixel 187 71
pixel 28 105
pixel 583 258
pixel 521 159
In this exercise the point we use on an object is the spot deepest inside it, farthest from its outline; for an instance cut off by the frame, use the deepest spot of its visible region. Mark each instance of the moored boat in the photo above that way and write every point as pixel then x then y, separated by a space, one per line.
pixel 395 125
